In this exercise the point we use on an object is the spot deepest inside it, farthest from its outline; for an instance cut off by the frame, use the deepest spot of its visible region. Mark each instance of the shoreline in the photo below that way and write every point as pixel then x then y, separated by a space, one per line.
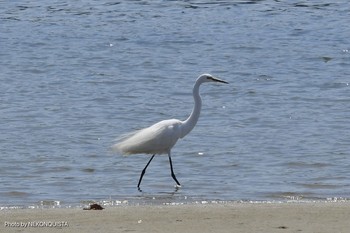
pixel 230 217
pixel 109 203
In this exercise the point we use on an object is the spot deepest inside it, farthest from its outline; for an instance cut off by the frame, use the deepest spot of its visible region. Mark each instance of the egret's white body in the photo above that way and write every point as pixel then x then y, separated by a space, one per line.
pixel 156 139
pixel 162 136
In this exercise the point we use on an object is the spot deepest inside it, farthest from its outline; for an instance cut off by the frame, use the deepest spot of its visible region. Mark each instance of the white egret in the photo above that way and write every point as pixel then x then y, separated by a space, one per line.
pixel 162 136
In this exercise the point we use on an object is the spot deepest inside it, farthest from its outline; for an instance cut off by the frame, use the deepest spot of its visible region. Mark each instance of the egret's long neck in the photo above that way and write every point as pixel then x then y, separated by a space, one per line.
pixel 191 121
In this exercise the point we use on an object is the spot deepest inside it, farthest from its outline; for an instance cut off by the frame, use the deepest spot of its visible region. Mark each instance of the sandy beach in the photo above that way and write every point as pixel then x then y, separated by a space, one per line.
pixel 233 217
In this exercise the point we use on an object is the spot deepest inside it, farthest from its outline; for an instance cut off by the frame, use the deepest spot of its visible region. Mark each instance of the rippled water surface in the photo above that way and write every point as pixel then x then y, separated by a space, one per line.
pixel 77 74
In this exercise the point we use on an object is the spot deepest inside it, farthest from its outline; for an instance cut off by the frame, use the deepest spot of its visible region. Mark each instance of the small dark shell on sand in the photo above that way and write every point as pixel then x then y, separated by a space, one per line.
pixel 94 207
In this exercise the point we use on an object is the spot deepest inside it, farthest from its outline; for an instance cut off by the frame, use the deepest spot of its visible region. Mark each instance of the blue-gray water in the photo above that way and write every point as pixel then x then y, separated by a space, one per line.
pixel 77 74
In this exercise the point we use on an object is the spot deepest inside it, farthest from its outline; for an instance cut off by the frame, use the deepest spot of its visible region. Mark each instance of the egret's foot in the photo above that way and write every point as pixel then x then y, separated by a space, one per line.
pixel 177 186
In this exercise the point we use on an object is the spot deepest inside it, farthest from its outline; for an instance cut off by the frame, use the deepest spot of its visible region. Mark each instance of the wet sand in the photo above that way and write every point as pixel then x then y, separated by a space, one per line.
pixel 233 217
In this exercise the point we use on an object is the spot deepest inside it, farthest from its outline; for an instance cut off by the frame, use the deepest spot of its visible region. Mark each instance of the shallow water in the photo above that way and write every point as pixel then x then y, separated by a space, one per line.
pixel 76 75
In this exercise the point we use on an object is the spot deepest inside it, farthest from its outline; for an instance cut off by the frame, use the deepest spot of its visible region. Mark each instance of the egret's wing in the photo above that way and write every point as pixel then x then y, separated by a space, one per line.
pixel 156 139
pixel 141 141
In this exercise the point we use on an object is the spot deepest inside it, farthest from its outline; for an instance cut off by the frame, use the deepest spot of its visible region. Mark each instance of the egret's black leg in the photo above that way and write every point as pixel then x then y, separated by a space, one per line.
pixel 144 171
pixel 172 171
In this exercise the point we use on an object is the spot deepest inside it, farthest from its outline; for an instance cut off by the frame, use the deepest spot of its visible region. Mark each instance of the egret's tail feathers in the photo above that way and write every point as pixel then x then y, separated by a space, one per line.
pixel 117 149
pixel 120 148
pixel 136 142
pixel 120 145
